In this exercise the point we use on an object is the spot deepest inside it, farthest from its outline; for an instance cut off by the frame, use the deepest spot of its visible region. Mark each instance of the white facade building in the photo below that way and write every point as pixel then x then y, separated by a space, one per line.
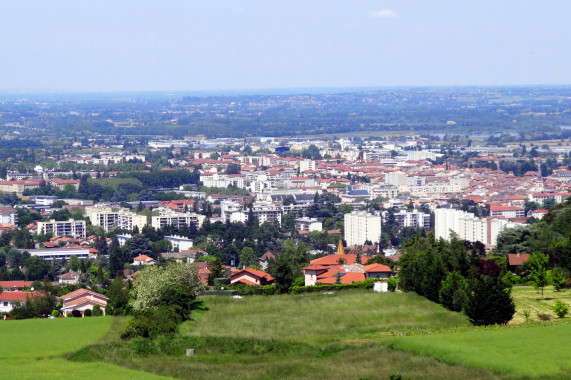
pixel 73 228
pixel 413 219
pixel 469 227
pixel 361 226
pixel 110 218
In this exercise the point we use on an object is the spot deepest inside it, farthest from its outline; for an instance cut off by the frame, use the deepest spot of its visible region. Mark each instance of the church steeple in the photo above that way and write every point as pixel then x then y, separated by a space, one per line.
pixel 340 249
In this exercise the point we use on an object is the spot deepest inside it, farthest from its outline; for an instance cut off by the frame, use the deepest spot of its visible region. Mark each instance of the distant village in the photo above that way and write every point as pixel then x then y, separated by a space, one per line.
pixel 390 185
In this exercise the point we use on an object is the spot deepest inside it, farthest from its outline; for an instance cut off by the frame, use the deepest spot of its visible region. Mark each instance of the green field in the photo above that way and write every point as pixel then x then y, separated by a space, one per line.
pixel 539 351
pixel 309 336
pixel 33 349
pixel 526 297
pixel 347 335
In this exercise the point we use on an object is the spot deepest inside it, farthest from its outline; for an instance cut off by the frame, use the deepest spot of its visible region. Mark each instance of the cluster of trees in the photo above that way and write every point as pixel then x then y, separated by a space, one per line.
pixel 446 273
pixel 161 298
pixel 550 236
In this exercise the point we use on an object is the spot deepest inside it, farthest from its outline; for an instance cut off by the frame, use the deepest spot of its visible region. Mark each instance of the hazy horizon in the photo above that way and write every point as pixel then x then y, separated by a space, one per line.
pixel 250 46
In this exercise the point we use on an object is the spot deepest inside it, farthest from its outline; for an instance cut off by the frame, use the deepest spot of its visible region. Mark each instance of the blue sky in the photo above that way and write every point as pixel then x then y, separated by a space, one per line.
pixel 188 45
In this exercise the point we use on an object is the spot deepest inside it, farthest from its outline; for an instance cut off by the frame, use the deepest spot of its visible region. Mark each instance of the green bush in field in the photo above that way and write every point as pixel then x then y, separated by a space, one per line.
pixel 558 278
pixel 87 313
pixel 392 284
pixel 151 323
pixel 97 312
pixel 561 309
pixel 55 313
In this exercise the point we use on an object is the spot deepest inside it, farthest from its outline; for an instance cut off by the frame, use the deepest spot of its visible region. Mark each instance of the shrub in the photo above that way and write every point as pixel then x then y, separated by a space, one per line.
pixel 367 284
pixel 270 290
pixel 543 317
pixel 561 309
pixel 55 313
pixel 558 278
pixel 526 313
pixel 76 314
pixel 299 281
pixel 221 281
pixel 153 322
pixel 87 313
pixel 392 284
pixel 97 312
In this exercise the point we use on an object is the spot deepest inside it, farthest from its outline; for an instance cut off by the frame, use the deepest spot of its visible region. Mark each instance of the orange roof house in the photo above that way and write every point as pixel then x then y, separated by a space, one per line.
pixel 251 276
pixel 81 300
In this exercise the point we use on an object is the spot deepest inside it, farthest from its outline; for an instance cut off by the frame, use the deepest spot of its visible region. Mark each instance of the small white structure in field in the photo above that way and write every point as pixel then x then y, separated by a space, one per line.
pixel 381 287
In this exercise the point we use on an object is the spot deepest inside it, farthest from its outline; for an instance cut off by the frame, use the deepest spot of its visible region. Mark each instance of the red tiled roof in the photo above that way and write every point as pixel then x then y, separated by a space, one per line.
pixel 517 258
pixel 17 296
pixel 334 259
pixel 376 267
pixel 347 278
pixel 15 284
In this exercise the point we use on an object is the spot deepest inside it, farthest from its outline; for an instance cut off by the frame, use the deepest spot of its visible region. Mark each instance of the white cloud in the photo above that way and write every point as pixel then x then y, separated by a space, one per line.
pixel 383 13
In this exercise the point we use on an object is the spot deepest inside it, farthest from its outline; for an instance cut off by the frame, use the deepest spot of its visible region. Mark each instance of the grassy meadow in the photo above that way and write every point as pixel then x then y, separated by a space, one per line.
pixel 309 336
pixel 527 298
pixel 534 351
pixel 33 349
pixel 354 334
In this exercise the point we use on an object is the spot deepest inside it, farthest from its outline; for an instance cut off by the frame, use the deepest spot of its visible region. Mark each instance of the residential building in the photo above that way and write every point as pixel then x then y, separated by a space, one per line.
pixel 414 219
pixel 177 219
pixel 113 217
pixel 469 227
pixel 308 224
pixel 180 242
pixel 81 300
pixel 8 216
pixel 60 253
pixel 73 228
pixel 361 227
pixel 251 276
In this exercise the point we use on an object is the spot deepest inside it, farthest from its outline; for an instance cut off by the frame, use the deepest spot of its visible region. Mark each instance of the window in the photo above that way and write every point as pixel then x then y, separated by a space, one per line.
pixel 5 303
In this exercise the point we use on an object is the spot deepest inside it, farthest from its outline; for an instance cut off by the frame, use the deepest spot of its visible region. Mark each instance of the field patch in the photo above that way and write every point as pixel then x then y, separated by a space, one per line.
pixel 33 349
pixel 528 298
pixel 528 350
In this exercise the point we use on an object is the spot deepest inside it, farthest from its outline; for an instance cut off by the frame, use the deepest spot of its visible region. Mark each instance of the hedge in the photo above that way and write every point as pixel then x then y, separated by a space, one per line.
pixel 367 284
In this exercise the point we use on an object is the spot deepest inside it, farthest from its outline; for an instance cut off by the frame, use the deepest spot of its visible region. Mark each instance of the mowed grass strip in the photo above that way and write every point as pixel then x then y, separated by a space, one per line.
pixel 41 338
pixel 59 368
pixel 33 349
pixel 528 298
pixel 527 351
pixel 320 318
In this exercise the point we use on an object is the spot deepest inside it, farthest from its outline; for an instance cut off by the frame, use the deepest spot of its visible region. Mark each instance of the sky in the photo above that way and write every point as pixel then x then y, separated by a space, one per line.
pixel 188 45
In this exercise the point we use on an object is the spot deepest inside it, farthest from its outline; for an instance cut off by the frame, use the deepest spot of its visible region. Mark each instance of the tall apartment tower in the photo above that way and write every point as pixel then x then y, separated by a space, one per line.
pixel 361 226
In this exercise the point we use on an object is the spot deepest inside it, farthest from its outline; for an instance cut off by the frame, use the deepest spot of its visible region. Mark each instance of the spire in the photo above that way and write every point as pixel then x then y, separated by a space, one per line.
pixel 340 250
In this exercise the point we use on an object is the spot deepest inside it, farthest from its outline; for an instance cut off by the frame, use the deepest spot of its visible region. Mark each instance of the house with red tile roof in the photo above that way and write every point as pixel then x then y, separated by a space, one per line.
pixel 9 300
pixel 83 299
pixel 516 260
pixel 250 276
pixel 10 286
pixel 144 260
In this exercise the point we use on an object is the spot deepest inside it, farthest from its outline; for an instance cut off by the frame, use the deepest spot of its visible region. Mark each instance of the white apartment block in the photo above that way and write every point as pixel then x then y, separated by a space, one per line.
pixel 110 218
pixel 397 178
pixel 305 165
pixel 180 242
pixel 223 180
pixel 177 219
pixel 308 224
pixel 8 216
pixel 263 211
pixel 435 188
pixel 469 227
pixel 73 228
pixel 361 226
pixel 416 155
pixel 413 219
pixel 377 155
